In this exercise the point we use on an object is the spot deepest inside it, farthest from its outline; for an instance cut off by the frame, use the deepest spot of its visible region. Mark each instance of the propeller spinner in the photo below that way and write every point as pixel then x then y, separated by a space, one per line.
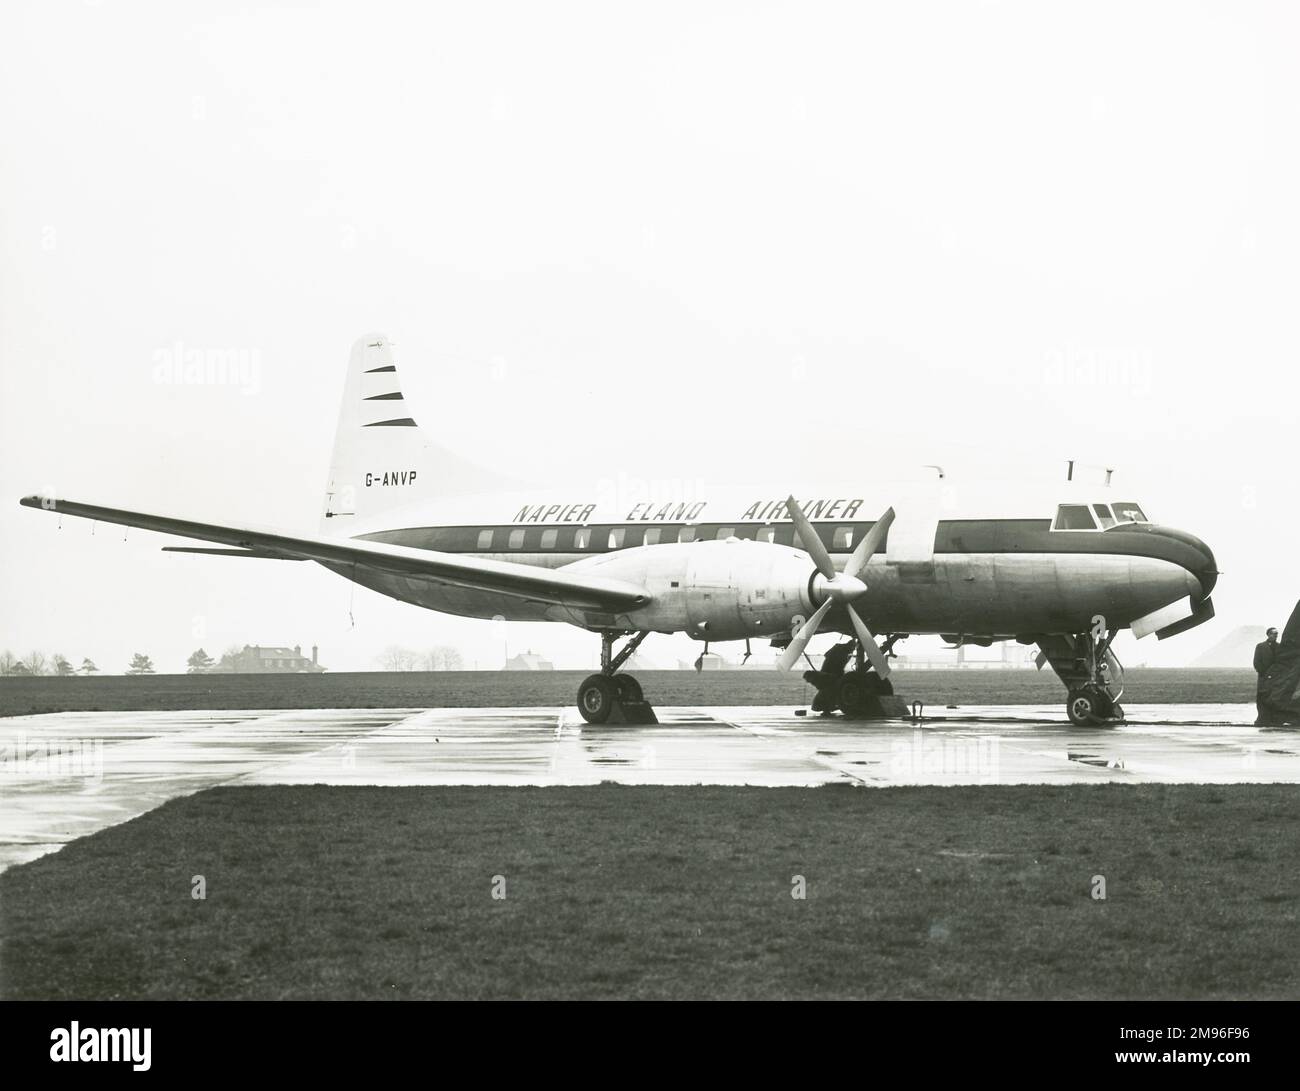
pixel 840 588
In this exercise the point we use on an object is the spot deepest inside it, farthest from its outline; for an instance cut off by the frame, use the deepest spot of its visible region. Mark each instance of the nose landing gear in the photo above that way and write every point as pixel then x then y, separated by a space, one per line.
pixel 610 697
pixel 1093 676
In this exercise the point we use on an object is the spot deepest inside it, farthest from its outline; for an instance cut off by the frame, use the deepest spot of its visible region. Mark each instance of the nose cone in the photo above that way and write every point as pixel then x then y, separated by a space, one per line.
pixel 842 588
pixel 1195 556
pixel 846 588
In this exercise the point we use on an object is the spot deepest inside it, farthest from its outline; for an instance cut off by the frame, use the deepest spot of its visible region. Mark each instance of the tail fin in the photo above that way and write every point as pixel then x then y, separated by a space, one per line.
pixel 382 460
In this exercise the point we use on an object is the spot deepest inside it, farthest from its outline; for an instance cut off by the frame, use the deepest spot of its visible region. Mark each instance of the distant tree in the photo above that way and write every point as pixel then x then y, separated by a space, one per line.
pixel 20 668
pixel 62 667
pixel 199 663
pixel 35 662
pixel 444 658
pixel 140 664
pixel 230 657
pixel 398 659
pixel 88 668
pixel 7 661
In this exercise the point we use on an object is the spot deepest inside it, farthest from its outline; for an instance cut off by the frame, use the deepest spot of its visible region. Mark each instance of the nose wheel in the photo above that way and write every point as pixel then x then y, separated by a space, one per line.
pixel 1093 676
pixel 1090 706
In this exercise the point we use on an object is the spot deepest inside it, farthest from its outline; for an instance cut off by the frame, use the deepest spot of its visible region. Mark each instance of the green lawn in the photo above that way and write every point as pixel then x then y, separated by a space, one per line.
pixel 670 892
pixel 466 689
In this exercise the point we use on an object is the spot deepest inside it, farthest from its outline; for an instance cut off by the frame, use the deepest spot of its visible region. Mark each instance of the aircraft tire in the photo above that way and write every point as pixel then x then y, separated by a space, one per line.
pixel 1083 708
pixel 596 697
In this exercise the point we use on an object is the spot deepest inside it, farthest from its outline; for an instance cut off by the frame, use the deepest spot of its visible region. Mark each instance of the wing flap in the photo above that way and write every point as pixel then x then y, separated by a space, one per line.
pixel 475 573
pixel 213 551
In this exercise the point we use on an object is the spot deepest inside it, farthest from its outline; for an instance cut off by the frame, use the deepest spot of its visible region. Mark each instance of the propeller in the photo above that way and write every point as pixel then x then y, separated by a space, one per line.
pixel 840 588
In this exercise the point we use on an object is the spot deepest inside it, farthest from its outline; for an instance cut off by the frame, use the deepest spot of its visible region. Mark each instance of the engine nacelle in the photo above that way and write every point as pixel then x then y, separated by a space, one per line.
pixel 716 590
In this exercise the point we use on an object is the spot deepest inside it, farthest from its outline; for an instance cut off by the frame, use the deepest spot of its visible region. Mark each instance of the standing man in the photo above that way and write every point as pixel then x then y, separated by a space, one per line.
pixel 1265 657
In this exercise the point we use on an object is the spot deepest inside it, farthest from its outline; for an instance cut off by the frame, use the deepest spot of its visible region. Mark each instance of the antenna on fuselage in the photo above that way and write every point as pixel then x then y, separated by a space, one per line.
pixel 1069 470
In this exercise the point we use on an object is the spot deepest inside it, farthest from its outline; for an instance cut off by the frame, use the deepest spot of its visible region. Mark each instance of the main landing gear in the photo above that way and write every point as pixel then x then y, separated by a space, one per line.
pixel 1093 676
pixel 858 693
pixel 610 697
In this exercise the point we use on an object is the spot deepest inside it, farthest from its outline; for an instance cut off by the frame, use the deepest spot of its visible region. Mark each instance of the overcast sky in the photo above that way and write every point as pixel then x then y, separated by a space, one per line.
pixel 755 242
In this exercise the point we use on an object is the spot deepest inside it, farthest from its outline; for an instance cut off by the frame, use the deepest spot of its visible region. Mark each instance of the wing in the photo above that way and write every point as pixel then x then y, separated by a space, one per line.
pixel 522 581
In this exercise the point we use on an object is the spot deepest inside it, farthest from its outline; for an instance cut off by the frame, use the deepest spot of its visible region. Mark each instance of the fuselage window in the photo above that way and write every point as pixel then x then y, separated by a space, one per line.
pixel 1127 512
pixel 616 537
pixel 724 533
pixel 843 538
pixel 766 534
pixel 1103 514
pixel 516 538
pixel 549 537
pixel 581 538
pixel 652 535
pixel 485 539
pixel 1074 517
pixel 686 534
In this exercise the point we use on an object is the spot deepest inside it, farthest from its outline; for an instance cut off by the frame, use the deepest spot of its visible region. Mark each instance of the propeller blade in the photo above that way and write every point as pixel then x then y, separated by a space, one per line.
pixel 808 538
pixel 809 629
pixel 869 545
pixel 869 645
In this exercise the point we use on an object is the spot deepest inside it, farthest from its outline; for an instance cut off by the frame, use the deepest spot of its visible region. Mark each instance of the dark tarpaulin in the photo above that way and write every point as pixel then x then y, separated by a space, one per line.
pixel 1279 686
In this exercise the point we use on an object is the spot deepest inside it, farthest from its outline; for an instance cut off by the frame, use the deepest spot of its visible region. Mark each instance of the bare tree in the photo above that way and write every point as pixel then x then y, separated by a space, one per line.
pixel 62 667
pixel 444 658
pixel 394 658
pixel 35 662
pixel 7 662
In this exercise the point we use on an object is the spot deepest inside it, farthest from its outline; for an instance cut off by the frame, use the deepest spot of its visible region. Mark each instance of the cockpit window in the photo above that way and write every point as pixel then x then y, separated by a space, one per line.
pixel 1074 517
pixel 1128 512
pixel 1104 516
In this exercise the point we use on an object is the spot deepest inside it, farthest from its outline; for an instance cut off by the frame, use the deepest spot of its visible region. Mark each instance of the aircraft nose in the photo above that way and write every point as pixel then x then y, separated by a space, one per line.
pixel 1196 557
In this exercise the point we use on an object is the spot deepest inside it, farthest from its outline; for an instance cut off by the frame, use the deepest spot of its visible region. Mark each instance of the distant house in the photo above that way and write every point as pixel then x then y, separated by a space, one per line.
pixel 528 662
pixel 260 659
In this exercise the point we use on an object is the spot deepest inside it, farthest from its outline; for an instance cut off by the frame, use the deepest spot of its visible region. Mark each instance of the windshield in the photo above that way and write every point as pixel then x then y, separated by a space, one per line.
pixel 1128 512
pixel 1074 517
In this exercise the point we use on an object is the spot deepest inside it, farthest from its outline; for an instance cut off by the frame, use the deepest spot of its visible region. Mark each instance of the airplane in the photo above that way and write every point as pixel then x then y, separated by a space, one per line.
pixel 1065 567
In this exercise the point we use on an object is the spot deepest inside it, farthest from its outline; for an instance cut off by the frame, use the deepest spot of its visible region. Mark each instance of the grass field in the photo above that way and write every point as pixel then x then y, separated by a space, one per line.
pixel 670 892
pixel 465 689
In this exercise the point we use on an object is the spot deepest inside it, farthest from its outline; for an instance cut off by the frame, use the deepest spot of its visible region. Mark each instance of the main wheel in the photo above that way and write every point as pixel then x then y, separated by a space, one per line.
pixel 1083 708
pixel 854 694
pixel 596 697
pixel 629 689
